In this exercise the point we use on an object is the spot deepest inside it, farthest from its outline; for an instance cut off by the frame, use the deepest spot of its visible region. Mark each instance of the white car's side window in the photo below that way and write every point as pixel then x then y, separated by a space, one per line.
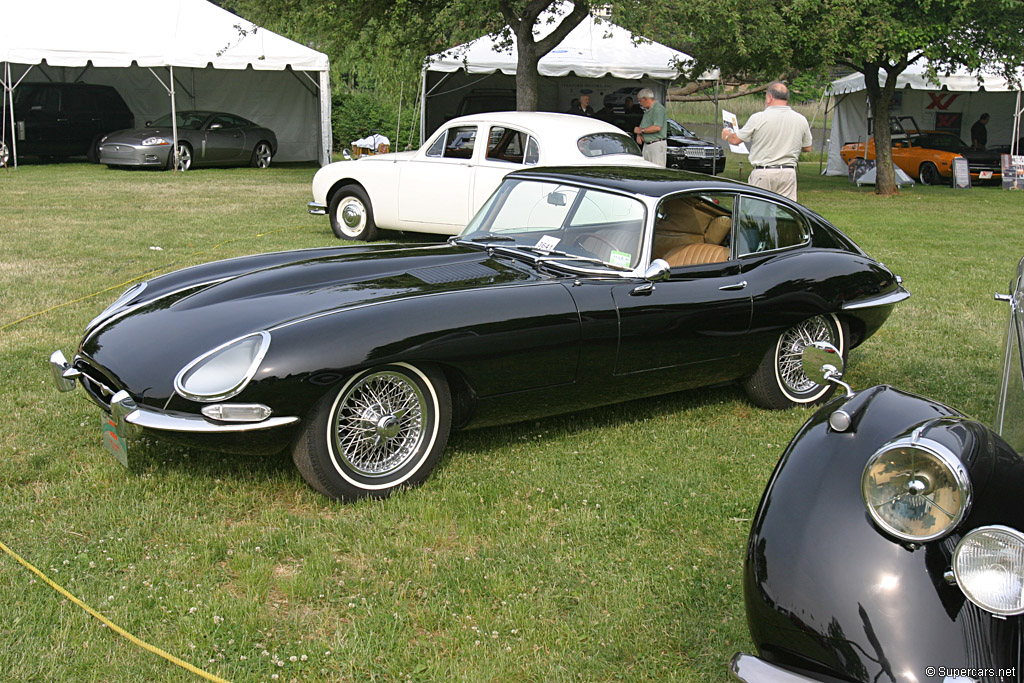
pixel 436 148
pixel 532 152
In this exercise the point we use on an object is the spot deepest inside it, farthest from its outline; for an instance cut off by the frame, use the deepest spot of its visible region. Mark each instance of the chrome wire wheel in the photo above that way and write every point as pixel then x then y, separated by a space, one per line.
pixel 379 424
pixel 5 153
pixel 791 347
pixel 779 381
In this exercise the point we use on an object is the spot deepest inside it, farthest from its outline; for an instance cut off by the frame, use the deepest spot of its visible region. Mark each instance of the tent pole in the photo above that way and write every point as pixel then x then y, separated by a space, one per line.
pixel 423 101
pixel 718 119
pixel 174 124
pixel 1014 146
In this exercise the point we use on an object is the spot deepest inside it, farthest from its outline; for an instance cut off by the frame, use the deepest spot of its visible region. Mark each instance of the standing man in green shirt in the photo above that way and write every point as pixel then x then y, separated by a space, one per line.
pixel 651 132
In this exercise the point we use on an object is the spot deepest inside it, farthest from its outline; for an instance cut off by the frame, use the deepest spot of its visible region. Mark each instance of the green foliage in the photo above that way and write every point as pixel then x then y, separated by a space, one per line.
pixel 356 114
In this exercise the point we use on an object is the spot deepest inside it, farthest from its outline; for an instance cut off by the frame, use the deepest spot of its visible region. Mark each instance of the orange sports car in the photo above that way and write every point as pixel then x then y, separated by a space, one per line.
pixel 928 156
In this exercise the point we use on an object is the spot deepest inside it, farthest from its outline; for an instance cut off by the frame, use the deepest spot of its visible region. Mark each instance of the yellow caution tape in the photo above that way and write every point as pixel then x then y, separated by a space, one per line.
pixel 111 625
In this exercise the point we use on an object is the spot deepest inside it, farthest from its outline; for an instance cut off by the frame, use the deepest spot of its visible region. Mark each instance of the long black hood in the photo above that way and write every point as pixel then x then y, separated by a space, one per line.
pixel 185 314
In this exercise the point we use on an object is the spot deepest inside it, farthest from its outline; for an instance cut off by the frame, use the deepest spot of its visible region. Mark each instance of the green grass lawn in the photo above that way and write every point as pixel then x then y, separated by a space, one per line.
pixel 601 546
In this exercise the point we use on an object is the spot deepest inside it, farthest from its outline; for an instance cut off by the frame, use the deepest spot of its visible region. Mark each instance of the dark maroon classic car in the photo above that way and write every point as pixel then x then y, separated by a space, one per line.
pixel 571 288
pixel 889 542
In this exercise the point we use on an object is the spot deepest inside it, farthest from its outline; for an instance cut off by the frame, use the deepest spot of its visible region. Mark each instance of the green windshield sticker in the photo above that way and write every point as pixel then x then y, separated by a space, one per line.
pixel 620 258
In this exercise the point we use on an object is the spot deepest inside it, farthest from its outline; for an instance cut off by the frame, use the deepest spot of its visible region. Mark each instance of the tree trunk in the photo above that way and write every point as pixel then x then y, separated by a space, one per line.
pixel 879 101
pixel 527 78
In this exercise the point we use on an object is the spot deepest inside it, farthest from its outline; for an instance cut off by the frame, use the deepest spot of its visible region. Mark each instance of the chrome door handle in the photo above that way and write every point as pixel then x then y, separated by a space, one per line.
pixel 736 285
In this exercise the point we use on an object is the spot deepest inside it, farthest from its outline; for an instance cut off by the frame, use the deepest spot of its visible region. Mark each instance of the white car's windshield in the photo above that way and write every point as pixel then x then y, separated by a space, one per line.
pixel 562 221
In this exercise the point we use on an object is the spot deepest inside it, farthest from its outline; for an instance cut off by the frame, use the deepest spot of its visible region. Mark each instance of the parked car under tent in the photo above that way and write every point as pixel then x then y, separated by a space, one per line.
pixel 214 59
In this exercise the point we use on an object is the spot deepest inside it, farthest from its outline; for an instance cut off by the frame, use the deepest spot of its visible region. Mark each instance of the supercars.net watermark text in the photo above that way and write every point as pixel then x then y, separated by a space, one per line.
pixel 948 672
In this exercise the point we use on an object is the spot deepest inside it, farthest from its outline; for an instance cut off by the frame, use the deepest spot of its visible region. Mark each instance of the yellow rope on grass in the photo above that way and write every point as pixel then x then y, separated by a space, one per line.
pixel 111 625
pixel 139 277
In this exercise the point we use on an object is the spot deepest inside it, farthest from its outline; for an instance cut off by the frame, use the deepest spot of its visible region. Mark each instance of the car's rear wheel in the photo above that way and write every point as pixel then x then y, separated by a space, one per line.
pixel 779 381
pixel 384 428
pixel 182 161
pixel 352 215
pixel 928 174
pixel 93 153
pixel 261 155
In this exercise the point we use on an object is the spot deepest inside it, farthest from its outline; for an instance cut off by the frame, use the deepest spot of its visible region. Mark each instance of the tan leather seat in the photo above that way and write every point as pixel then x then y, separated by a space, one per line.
pixel 695 254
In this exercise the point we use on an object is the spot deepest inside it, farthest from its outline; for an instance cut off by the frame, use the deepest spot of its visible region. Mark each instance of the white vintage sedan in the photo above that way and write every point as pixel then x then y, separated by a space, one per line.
pixel 439 187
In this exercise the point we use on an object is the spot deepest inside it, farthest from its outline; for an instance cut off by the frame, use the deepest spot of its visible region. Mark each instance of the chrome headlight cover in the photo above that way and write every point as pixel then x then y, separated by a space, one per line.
pixel 224 371
pixel 126 296
pixel 916 489
pixel 149 142
pixel 989 567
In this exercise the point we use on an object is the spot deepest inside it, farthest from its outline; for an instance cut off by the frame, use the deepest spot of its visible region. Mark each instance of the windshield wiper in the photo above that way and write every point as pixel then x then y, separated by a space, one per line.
pixel 558 255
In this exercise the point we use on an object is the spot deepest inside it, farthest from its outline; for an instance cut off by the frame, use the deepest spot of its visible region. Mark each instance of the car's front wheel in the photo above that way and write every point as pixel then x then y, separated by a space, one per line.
pixel 779 381
pixel 928 174
pixel 5 153
pixel 261 155
pixel 352 215
pixel 182 160
pixel 384 428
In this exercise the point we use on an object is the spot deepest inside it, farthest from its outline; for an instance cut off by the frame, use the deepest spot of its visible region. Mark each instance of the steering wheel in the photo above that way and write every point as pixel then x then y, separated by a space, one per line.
pixel 579 239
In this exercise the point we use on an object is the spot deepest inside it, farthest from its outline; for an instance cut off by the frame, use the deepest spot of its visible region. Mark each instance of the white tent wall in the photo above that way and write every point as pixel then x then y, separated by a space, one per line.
pixel 286 102
pixel 220 61
pixel 445 91
pixel 956 95
pixel 597 55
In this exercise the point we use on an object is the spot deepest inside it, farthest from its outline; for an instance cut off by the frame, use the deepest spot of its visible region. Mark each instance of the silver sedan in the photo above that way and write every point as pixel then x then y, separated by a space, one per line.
pixel 205 138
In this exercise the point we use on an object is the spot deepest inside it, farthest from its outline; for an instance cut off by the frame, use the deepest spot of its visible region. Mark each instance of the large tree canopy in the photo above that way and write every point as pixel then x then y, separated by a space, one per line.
pixel 758 40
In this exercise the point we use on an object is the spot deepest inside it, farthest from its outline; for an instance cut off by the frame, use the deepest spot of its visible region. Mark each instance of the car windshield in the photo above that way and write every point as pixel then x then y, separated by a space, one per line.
pixel 1010 409
pixel 565 224
pixel 603 144
pixel 189 120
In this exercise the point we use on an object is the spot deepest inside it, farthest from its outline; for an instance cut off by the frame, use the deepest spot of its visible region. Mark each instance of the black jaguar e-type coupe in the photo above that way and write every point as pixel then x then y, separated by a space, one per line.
pixel 571 288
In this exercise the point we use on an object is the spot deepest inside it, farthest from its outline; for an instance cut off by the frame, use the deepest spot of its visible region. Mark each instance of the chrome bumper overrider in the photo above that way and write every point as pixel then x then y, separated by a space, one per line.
pixel 317 209
pixel 751 669
pixel 133 418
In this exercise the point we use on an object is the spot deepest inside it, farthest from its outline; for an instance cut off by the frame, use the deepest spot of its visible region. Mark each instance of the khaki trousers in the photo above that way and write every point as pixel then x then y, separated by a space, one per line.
pixel 778 180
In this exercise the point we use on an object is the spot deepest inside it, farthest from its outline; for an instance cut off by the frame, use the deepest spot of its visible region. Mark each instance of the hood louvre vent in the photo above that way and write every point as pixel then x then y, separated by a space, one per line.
pixel 458 272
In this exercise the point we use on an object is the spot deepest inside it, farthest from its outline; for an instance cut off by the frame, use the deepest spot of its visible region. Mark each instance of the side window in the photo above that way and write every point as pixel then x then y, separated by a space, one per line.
pixel 460 142
pixel 223 122
pixel 765 226
pixel 506 144
pixel 532 151
pixel 436 148
pixel 79 100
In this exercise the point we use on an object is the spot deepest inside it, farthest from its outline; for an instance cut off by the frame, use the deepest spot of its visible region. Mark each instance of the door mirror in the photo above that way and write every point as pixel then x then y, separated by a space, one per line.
pixel 658 270
pixel 822 362
pixel 216 126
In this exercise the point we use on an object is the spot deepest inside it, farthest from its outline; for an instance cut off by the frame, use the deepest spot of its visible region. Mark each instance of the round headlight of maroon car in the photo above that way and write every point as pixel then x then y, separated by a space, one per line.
pixel 916 490
pixel 223 372
pixel 989 567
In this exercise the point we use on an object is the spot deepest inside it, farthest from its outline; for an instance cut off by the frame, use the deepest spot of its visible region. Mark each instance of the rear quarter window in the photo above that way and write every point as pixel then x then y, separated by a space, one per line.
pixel 605 144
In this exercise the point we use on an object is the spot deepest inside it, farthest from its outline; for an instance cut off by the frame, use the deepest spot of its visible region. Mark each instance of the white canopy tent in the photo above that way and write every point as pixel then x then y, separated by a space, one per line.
pixel 596 57
pixel 173 54
pixel 952 103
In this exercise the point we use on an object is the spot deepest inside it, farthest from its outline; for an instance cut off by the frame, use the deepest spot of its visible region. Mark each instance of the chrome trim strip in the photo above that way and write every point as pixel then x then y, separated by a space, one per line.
pixel 882 300
pixel 250 372
pixel 751 669
pixel 147 418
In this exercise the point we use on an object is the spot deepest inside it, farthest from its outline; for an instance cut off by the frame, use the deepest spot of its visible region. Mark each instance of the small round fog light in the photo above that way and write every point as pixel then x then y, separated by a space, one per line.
pixel 989 567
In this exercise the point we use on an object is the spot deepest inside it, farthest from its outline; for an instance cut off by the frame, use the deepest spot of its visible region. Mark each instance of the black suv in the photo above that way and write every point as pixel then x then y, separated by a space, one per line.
pixel 58 120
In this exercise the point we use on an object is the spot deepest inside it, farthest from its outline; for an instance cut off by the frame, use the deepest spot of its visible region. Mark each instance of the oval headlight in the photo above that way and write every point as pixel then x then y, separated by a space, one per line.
pixel 148 142
pixel 989 567
pixel 224 371
pixel 916 490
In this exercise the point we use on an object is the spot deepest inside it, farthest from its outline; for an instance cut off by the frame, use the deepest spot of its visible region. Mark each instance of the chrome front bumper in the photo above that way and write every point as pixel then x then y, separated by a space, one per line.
pixel 317 209
pixel 751 669
pixel 133 418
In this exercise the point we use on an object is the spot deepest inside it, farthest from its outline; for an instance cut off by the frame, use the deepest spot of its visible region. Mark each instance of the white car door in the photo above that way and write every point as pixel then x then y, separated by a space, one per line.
pixel 435 189
pixel 507 150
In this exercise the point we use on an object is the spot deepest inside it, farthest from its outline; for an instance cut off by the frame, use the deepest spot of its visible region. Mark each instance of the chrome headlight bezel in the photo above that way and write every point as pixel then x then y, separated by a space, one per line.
pixel 968 580
pixel 939 454
pixel 155 140
pixel 239 377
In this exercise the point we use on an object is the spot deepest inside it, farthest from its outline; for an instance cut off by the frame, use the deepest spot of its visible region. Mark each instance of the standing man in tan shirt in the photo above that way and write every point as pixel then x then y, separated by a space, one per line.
pixel 776 137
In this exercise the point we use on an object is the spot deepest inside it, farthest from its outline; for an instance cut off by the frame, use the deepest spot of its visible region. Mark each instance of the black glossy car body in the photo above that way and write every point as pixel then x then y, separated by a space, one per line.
pixel 58 120
pixel 691 153
pixel 486 329
pixel 834 594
